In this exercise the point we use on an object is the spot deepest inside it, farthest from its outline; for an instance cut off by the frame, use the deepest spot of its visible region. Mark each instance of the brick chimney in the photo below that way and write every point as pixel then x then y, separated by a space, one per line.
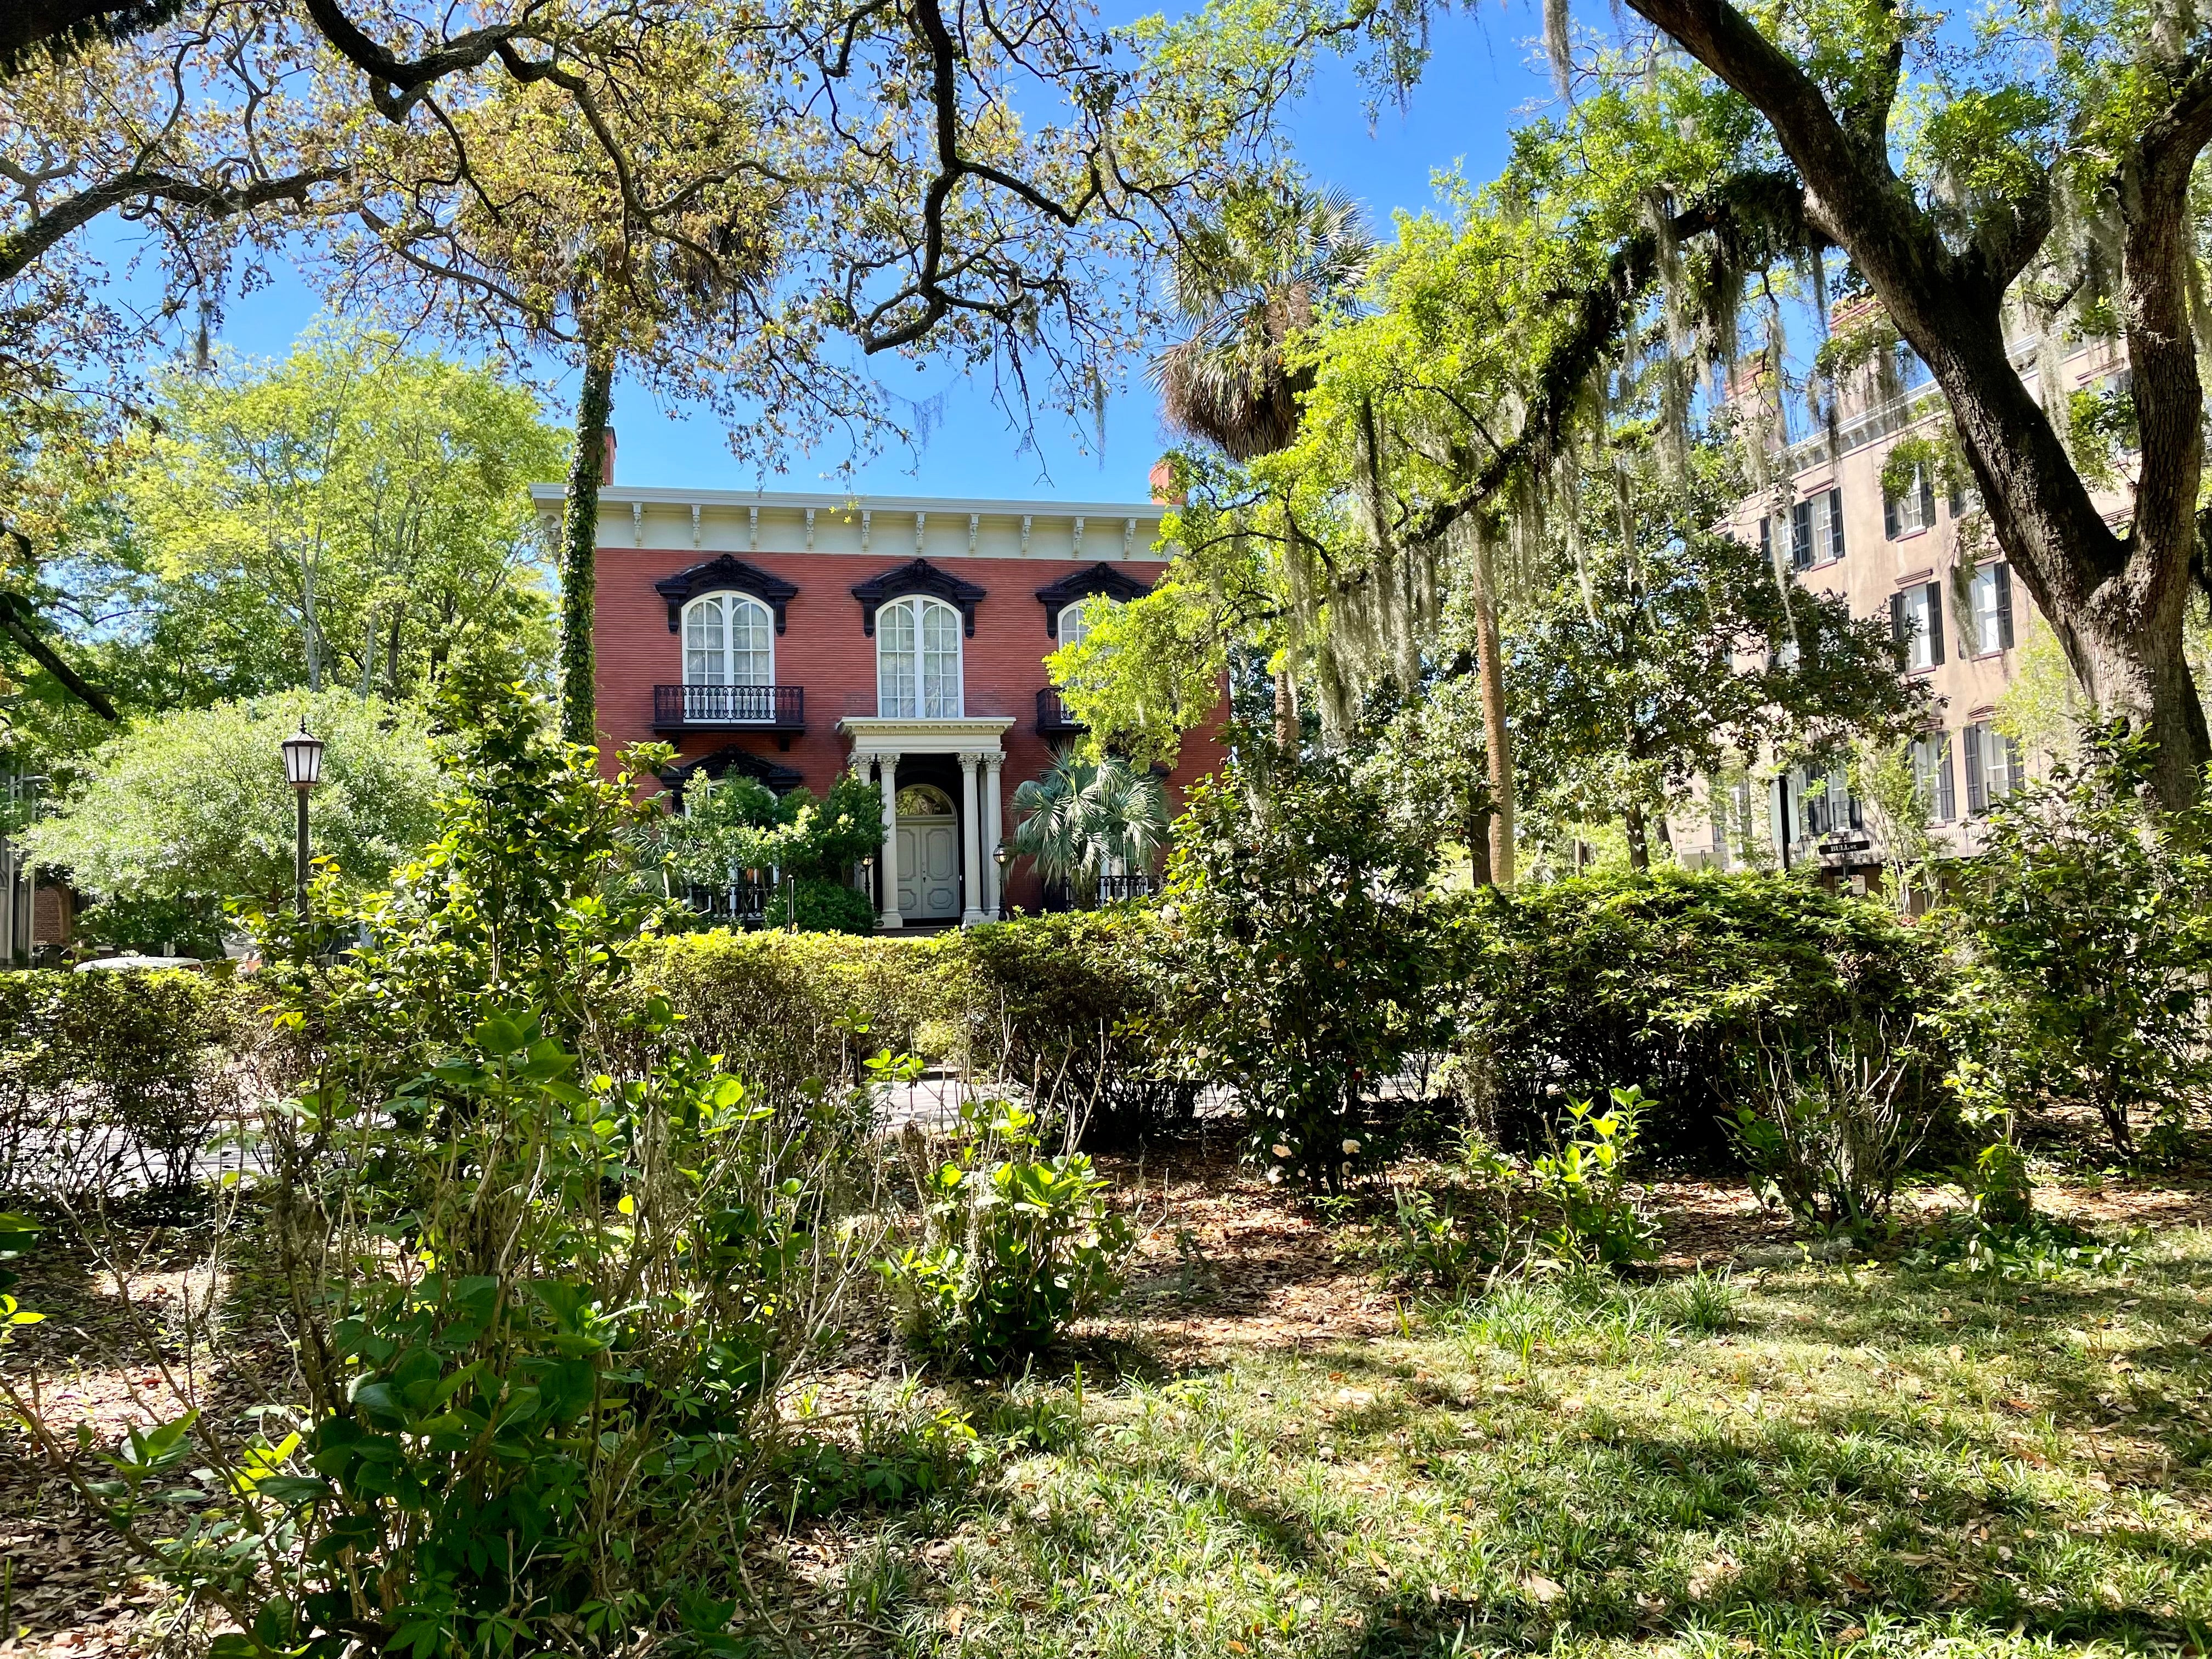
pixel 607 460
pixel 1165 490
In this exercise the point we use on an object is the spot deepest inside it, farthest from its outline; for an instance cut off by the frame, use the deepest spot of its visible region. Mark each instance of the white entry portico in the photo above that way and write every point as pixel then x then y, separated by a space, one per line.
pixel 977 746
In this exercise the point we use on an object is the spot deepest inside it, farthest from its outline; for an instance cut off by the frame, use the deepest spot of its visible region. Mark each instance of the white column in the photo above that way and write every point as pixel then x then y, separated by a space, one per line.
pixel 887 773
pixel 972 835
pixel 993 833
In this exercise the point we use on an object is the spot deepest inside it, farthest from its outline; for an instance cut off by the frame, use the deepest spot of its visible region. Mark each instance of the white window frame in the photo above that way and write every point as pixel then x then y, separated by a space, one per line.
pixel 1920 643
pixel 726 606
pixel 894 618
pixel 1073 628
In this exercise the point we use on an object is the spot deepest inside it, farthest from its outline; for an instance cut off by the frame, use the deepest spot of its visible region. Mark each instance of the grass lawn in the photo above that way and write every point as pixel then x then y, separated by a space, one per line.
pixel 1799 1458
pixel 1266 1454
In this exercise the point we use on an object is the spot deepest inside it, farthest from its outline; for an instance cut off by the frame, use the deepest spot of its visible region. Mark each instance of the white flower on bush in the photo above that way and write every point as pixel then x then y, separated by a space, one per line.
pixel 1280 1150
pixel 1351 1149
pixel 1274 1174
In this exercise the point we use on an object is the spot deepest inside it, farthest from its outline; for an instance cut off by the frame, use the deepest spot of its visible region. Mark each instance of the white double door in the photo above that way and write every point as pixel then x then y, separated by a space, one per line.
pixel 928 868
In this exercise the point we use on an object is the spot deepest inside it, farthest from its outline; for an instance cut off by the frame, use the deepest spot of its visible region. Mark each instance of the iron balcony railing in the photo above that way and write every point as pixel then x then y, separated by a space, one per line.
pixel 774 707
pixel 1054 718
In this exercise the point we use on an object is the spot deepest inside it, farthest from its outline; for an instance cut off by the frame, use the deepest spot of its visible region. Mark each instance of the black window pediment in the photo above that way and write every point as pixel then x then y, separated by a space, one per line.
pixel 724 574
pixel 917 576
pixel 1116 584
pixel 723 762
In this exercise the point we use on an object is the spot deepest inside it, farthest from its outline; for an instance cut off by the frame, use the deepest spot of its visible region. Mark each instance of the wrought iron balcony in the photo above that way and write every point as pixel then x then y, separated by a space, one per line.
pixel 1053 720
pixel 760 707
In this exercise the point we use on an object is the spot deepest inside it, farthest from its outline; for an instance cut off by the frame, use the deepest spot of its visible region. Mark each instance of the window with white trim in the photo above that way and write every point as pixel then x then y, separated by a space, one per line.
pixel 1915 510
pixel 729 639
pixel 1931 776
pixel 1992 596
pixel 1074 622
pixel 918 659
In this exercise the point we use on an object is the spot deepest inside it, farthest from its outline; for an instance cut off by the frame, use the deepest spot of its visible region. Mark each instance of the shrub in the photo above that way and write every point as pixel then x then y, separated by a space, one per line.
pixel 823 906
pixel 1583 1182
pixel 109 1079
pixel 541 1308
pixel 1309 957
pixel 1678 982
pixel 787 1007
pixel 1015 1247
pixel 2090 919
pixel 1830 1138
pixel 1082 1008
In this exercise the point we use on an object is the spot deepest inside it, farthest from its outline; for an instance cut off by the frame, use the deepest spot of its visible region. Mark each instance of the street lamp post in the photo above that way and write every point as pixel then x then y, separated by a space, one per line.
pixel 303 771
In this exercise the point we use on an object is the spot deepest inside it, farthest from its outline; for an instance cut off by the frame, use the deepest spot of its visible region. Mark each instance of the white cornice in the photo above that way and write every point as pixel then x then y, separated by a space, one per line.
pixel 550 494
pixel 878 735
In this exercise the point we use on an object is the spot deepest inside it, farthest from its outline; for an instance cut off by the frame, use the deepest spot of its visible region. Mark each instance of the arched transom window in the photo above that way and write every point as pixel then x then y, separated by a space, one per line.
pixel 918 659
pixel 1075 619
pixel 729 639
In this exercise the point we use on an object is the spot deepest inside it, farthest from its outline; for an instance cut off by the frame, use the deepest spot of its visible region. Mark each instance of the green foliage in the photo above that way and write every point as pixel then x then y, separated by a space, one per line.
pixel 1667 647
pixel 1583 1180
pixel 821 905
pixel 353 514
pixel 188 810
pixel 1829 1135
pixel 1079 1009
pixel 1310 955
pixel 784 1008
pixel 112 1082
pixel 542 1303
pixel 2089 938
pixel 1015 1247
pixel 1087 812
pixel 1675 980
pixel 732 824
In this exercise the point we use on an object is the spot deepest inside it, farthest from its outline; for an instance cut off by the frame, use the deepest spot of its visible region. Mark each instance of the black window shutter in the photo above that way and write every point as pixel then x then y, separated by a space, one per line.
pixel 2004 607
pixel 1835 524
pixel 1897 617
pixel 1766 539
pixel 1946 801
pixel 1935 624
pixel 1977 794
pixel 1801 535
pixel 1888 516
pixel 1927 498
pixel 2012 764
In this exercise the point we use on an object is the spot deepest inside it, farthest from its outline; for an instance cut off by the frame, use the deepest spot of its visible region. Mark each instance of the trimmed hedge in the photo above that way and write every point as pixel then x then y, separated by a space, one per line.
pixel 116 1081
pixel 1678 981
pixel 1078 1008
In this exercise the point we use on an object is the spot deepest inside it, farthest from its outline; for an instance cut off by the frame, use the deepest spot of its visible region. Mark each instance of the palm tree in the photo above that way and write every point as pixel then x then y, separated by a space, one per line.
pixel 1245 284
pixel 1083 816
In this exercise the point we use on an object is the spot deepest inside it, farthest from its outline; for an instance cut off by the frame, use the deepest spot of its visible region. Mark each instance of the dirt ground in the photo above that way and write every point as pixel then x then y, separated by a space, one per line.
pixel 1225 1263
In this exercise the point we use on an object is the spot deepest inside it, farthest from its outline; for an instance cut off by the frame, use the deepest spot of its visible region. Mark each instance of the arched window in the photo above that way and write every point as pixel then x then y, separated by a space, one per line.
pixel 918 659
pixel 1074 625
pixel 729 639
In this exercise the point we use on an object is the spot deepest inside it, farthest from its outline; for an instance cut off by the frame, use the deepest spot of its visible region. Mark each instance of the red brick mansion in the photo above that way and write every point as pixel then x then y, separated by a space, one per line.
pixel 790 636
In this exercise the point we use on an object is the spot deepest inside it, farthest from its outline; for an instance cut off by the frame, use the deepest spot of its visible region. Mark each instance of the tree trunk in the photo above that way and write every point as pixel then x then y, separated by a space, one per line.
pixel 1478 849
pixel 1286 713
pixel 1497 741
pixel 391 652
pixel 311 635
pixel 580 546
pixel 1639 841
pixel 2116 602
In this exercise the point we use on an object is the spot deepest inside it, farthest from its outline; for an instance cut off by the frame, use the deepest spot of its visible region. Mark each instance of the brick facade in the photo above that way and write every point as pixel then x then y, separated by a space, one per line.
pixel 825 649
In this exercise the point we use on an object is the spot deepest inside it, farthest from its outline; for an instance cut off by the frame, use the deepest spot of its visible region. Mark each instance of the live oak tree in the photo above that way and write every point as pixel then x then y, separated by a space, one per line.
pixel 1667 652
pixel 744 199
pixel 2027 172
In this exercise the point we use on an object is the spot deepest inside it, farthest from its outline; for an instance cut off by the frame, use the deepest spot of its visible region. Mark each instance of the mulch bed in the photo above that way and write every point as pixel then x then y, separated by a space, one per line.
pixel 1225 1263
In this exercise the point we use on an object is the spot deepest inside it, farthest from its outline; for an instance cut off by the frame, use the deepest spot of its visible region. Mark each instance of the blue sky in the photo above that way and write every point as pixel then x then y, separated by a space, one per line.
pixel 1482 77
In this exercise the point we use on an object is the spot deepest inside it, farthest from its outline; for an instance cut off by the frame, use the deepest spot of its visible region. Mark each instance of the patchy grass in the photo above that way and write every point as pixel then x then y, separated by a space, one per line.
pixel 1802 1461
